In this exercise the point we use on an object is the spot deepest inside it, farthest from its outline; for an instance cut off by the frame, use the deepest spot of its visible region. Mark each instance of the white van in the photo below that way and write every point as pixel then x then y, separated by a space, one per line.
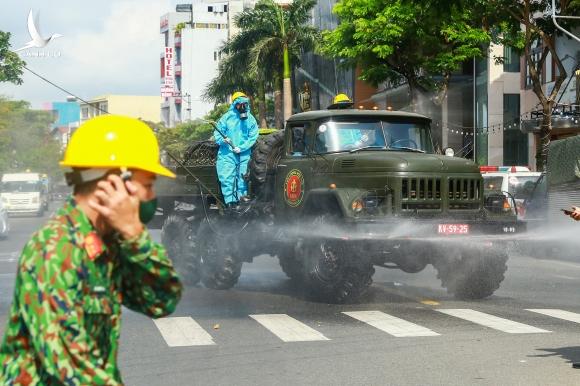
pixel 515 180
pixel 23 193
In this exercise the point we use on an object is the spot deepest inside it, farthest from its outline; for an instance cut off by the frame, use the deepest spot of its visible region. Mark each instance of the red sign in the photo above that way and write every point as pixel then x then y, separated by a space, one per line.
pixel 294 188
pixel 453 229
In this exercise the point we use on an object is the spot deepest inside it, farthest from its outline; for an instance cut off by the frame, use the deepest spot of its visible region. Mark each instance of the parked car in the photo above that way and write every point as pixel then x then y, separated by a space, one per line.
pixel 4 224
pixel 516 181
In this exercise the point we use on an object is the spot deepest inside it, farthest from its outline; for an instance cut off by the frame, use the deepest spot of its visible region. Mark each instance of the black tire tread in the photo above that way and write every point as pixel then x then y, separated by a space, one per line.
pixel 179 237
pixel 473 277
pixel 262 166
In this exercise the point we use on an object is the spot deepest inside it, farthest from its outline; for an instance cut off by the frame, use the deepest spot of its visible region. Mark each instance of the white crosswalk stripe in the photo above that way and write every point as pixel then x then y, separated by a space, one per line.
pixel 391 324
pixel 558 314
pixel 183 331
pixel 491 321
pixel 287 328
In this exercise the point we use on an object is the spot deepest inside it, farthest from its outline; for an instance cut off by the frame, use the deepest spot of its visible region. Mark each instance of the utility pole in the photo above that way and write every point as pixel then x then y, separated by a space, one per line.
pixel 188 96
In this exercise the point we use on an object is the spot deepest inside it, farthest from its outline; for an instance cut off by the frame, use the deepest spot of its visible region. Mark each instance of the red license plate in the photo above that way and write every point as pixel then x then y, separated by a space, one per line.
pixel 453 229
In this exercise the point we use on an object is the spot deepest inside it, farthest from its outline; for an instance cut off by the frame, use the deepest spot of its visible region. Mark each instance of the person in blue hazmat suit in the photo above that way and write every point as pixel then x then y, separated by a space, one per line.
pixel 237 134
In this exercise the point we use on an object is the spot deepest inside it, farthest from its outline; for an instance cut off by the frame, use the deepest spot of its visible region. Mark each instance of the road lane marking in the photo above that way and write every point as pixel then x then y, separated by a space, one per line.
pixel 429 302
pixel 183 331
pixel 287 328
pixel 390 324
pixel 565 277
pixel 491 321
pixel 558 314
pixel 8 256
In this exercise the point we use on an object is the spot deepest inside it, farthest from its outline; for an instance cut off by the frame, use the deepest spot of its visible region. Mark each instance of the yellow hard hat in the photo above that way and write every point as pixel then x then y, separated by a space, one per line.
pixel 238 94
pixel 340 98
pixel 113 141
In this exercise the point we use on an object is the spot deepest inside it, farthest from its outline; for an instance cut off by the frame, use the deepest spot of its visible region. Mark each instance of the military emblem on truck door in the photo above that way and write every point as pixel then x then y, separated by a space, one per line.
pixel 294 188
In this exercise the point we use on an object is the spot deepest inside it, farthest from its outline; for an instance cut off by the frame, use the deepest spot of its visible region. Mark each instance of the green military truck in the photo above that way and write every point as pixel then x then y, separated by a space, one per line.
pixel 335 194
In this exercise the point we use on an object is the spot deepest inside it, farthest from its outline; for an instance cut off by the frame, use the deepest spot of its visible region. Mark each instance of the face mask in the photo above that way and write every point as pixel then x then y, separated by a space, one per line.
pixel 242 110
pixel 147 210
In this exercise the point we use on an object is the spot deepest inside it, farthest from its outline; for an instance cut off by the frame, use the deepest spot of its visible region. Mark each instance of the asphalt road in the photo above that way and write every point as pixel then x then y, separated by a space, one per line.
pixel 407 332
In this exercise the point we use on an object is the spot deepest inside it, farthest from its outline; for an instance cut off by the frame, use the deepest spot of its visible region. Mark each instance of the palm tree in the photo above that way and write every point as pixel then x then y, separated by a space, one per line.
pixel 283 34
pixel 261 56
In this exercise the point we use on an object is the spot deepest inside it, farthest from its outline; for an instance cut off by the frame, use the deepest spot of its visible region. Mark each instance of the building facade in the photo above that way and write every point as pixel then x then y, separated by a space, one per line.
pixel 190 57
pixel 483 115
pixel 142 107
pixel 67 118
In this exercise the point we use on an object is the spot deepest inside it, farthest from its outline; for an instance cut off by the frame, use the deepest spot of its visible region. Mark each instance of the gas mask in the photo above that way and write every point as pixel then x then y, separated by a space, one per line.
pixel 242 109
pixel 147 210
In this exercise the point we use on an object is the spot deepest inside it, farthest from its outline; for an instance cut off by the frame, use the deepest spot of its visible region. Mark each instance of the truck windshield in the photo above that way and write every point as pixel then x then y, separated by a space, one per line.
pixel 21 186
pixel 492 182
pixel 338 136
pixel 522 186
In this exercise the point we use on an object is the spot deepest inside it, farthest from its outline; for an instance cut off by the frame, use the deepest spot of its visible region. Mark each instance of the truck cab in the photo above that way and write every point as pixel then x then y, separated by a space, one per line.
pixel 23 193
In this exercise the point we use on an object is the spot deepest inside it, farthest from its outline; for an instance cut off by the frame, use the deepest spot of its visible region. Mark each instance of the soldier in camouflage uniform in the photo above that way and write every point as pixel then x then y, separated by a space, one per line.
pixel 92 257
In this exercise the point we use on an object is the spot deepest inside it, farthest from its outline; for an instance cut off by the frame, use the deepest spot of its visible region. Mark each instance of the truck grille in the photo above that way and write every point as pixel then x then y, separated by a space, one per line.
pixel 463 189
pixel 421 188
pixel 427 193
pixel 19 201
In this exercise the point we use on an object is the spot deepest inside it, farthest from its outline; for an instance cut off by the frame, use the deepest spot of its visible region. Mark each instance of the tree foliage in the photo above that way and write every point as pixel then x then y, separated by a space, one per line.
pixel 421 42
pixel 253 59
pixel 11 65
pixel 176 140
pixel 25 139
pixel 527 25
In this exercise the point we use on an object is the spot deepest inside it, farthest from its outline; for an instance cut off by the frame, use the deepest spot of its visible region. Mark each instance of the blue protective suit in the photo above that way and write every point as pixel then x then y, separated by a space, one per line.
pixel 231 167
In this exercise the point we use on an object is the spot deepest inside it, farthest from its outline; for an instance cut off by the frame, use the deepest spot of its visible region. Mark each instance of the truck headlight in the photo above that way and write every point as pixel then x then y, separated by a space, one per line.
pixel 357 205
pixel 4 200
pixel 35 200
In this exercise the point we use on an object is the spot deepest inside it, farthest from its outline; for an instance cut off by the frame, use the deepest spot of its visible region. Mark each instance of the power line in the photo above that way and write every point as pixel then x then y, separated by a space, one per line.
pixel 64 90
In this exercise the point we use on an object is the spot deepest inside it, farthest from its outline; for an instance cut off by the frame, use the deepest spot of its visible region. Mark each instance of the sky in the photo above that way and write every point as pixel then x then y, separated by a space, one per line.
pixel 108 47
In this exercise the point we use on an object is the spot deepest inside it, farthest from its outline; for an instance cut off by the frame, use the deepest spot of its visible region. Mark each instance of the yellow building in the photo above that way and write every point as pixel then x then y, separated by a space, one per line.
pixel 136 106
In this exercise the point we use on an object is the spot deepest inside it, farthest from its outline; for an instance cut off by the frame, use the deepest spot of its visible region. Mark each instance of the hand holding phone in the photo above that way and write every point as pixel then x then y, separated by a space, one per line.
pixel 566 212
pixel 118 204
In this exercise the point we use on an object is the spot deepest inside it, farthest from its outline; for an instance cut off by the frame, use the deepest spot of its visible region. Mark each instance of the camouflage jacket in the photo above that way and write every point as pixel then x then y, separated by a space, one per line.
pixel 64 323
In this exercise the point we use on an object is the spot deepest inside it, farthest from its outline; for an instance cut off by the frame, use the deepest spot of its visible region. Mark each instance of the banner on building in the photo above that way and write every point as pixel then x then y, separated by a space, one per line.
pixel 168 86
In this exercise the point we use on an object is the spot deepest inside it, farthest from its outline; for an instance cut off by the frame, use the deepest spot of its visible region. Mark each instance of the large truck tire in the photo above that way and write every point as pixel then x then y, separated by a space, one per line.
pixel 178 235
pixel 329 278
pixel 292 267
pixel 262 166
pixel 476 275
pixel 219 268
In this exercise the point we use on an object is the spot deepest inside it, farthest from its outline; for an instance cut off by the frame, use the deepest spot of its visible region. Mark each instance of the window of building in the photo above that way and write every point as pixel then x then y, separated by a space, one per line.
pixel 85 113
pixel 214 56
pixel 481 110
pixel 104 106
pixel 166 38
pixel 210 8
pixel 515 143
pixel 225 7
pixel 511 60
pixel 536 55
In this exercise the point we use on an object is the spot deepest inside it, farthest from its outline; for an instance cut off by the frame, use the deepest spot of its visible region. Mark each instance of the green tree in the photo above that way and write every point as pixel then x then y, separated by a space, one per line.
pixel 10 63
pixel 421 42
pixel 527 26
pixel 25 139
pixel 176 139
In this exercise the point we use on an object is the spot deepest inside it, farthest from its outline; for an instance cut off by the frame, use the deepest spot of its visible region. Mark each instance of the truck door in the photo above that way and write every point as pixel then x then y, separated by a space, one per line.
pixel 293 171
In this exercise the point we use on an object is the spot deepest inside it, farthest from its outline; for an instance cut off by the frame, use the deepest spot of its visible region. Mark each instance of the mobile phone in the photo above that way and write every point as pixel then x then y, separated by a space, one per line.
pixel 566 212
pixel 126 175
